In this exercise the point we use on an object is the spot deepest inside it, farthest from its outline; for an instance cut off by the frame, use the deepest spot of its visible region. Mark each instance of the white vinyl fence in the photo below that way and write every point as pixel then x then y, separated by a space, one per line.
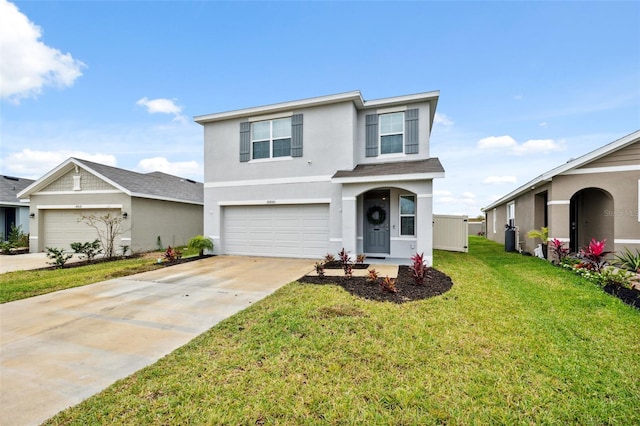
pixel 450 233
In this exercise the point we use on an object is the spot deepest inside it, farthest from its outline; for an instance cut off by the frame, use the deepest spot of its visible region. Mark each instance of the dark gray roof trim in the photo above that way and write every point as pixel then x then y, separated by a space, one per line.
pixel 430 165
pixel 10 187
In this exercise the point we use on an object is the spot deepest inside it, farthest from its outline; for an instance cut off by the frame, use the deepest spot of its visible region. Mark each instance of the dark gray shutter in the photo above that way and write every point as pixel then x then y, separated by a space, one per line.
pixel 245 141
pixel 372 135
pixel 411 140
pixel 296 135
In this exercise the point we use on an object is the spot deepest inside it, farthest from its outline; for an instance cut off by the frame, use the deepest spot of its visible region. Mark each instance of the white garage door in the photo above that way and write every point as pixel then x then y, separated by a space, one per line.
pixel 284 231
pixel 61 227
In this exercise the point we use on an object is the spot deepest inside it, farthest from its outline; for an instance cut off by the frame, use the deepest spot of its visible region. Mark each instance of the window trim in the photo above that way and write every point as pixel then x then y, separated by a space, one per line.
pixel 401 215
pixel 494 219
pixel 402 133
pixel 511 212
pixel 271 141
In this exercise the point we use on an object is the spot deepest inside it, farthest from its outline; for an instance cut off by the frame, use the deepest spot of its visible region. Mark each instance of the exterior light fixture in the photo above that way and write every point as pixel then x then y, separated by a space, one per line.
pixel 125 215
pixel 32 215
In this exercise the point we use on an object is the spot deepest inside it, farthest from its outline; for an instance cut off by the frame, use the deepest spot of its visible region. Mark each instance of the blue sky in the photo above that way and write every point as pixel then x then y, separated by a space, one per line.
pixel 524 86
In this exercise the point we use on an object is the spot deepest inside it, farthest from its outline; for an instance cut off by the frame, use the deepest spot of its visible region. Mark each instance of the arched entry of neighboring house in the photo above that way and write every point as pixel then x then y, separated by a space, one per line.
pixel 591 217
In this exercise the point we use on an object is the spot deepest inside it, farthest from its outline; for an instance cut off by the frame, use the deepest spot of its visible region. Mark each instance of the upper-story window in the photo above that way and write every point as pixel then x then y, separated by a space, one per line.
pixel 271 138
pixel 277 138
pixel 391 133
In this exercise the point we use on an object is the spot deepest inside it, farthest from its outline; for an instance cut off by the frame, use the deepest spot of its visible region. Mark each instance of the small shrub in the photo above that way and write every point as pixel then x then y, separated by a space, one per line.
pixel 328 258
pixel 348 271
pixel 419 268
pixel 628 260
pixel 125 250
pixel 372 276
pixel 200 243
pixel 615 277
pixel 559 251
pixel 89 250
pixel 171 254
pixel 389 285
pixel 361 258
pixel 345 261
pixel 593 256
pixel 319 269
pixel 58 257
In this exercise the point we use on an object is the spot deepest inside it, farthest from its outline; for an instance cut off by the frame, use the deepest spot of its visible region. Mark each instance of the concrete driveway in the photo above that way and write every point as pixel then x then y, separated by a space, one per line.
pixel 60 348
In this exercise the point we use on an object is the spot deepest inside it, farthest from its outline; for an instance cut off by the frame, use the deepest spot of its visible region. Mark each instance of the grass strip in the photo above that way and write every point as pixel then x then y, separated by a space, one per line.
pixel 516 341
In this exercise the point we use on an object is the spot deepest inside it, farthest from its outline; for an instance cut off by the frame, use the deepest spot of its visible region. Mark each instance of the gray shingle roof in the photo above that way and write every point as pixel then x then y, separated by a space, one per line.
pixel 153 185
pixel 430 165
pixel 10 187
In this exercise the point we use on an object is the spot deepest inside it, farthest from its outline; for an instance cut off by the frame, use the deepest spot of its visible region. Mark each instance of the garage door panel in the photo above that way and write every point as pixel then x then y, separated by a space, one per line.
pixel 288 230
pixel 63 227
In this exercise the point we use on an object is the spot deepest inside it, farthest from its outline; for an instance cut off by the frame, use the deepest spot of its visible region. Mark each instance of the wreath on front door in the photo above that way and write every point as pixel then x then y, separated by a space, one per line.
pixel 376 215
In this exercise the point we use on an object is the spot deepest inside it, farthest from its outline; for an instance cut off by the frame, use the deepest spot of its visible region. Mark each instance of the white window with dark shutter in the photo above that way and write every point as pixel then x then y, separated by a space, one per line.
pixel 392 133
pixel 271 139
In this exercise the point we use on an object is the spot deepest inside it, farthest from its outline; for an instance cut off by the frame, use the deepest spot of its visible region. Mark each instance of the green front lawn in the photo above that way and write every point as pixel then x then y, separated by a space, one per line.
pixel 516 341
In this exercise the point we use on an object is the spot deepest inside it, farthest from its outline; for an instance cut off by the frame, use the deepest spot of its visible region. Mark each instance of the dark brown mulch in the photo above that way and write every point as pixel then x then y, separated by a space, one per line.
pixel 630 296
pixel 436 284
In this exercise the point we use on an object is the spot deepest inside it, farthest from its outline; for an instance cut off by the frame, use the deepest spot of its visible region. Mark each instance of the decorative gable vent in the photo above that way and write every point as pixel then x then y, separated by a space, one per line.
pixel 76 183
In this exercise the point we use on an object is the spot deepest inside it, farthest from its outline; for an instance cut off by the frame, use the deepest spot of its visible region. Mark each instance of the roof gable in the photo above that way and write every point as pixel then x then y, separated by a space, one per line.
pixel 589 159
pixel 155 185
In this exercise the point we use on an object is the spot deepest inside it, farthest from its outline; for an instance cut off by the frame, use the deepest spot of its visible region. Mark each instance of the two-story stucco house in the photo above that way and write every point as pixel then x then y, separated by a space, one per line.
pixel 310 177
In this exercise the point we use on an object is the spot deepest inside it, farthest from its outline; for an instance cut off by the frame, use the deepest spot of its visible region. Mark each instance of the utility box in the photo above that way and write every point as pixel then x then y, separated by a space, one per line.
pixel 510 238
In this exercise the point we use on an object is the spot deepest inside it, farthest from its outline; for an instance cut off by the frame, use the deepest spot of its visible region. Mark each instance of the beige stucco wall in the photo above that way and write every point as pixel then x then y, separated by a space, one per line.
pixel 619 222
pixel 175 223
pixel 623 188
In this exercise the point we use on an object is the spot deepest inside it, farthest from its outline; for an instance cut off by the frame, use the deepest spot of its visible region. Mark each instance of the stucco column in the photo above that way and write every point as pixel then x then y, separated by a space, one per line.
pixel 424 226
pixel 349 232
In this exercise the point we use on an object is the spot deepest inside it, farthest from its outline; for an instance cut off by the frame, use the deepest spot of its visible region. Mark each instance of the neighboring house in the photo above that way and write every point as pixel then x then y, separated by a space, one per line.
pixel 13 211
pixel 157 209
pixel 593 196
pixel 310 177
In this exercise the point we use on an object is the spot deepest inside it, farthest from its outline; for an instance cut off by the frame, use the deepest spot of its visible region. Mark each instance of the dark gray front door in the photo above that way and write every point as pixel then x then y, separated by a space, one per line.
pixel 376 222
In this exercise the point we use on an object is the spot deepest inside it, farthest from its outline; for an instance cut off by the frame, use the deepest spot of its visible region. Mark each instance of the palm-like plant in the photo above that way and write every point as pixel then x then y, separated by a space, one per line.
pixel 201 244
pixel 628 260
pixel 542 234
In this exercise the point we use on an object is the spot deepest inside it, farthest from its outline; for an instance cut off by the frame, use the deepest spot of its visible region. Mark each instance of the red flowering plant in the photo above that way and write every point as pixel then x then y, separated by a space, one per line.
pixel 559 250
pixel 593 256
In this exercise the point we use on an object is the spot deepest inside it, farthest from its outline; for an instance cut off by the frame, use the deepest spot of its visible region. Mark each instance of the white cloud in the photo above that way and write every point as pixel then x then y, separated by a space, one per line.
pixel 162 106
pixel 441 192
pixel 442 120
pixel 543 124
pixel 468 195
pixel 161 164
pixel 28 64
pixel 508 144
pixel 538 146
pixel 499 179
pixel 32 164
pixel 497 142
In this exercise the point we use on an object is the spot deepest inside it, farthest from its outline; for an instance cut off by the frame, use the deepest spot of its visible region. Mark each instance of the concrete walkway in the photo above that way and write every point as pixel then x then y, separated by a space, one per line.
pixel 24 262
pixel 58 349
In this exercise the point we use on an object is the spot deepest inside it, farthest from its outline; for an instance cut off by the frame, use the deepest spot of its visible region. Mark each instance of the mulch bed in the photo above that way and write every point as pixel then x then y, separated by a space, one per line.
pixel 435 284
pixel 630 296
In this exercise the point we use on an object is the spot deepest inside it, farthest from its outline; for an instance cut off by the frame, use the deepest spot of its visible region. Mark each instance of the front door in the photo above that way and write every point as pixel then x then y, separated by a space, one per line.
pixel 376 222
